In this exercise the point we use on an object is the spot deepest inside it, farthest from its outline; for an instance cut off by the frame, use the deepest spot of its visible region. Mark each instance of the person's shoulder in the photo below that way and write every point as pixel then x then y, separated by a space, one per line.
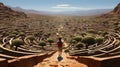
pixel 59 42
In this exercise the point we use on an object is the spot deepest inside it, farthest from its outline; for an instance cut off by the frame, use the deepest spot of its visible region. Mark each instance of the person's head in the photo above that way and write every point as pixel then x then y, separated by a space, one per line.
pixel 60 39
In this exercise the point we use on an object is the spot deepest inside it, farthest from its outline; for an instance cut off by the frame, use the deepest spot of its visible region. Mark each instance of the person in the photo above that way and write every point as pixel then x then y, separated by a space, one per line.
pixel 60 45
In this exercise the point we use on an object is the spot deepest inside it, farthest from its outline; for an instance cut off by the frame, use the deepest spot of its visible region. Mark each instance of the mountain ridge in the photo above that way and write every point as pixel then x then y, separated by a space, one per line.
pixel 78 13
pixel 114 13
pixel 117 9
pixel 7 13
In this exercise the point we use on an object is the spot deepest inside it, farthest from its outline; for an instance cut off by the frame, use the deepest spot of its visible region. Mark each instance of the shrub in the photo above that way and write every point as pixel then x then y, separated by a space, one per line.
pixel 77 39
pixel 17 43
pixel 91 35
pixel 42 43
pixel 50 41
pixel 73 42
pixel 99 40
pixel 47 35
pixel 38 34
pixel 21 34
pixel 31 38
pixel 15 32
pixel 88 40
pixel 79 45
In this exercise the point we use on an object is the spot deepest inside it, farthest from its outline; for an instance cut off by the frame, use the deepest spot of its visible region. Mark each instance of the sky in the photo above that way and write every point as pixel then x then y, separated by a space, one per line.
pixel 62 5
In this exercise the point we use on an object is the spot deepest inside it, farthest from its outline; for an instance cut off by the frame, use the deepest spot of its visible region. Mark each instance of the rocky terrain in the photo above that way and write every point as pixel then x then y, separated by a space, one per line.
pixel 114 13
pixel 117 9
pixel 7 13
pixel 30 40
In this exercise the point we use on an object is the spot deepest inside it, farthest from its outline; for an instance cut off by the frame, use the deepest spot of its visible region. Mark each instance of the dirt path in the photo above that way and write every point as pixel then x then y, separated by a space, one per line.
pixel 66 62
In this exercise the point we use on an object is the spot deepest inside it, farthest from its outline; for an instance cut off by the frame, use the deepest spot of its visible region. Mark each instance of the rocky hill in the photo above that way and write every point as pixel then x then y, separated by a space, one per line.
pixel 117 9
pixel 7 13
pixel 114 13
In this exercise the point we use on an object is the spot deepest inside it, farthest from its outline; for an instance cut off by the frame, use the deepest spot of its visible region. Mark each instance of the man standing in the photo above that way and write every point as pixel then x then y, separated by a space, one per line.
pixel 60 45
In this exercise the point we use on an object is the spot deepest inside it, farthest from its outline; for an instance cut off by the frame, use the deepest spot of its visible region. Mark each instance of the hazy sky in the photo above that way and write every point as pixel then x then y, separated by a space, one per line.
pixel 62 5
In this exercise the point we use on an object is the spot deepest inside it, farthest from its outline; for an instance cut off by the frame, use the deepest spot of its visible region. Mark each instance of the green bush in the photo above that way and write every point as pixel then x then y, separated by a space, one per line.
pixel 77 38
pixel 17 43
pixel 38 34
pixel 88 40
pixel 21 34
pixel 31 38
pixel 99 40
pixel 50 41
pixel 80 45
pixel 73 42
pixel 42 43
pixel 15 32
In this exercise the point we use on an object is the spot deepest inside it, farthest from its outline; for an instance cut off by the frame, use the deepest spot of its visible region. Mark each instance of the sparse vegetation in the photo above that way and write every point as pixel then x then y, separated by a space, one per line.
pixel 42 43
pixel 88 40
pixel 17 43
pixel 83 34
pixel 31 38
pixel 77 38
pixel 50 41
pixel 15 32
pixel 99 40
pixel 80 45
pixel 21 34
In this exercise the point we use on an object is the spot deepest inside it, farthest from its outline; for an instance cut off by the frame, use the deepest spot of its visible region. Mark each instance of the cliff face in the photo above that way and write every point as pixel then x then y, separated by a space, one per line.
pixel 7 13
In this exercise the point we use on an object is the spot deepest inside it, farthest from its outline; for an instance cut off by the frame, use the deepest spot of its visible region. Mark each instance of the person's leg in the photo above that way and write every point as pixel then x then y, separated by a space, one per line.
pixel 60 51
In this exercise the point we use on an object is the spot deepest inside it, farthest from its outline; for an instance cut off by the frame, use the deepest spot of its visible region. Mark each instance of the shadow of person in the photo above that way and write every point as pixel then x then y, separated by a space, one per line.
pixel 60 58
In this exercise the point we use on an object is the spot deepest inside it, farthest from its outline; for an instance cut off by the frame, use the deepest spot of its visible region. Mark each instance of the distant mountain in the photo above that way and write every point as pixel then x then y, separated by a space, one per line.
pixel 26 10
pixel 7 13
pixel 87 12
pixel 80 13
